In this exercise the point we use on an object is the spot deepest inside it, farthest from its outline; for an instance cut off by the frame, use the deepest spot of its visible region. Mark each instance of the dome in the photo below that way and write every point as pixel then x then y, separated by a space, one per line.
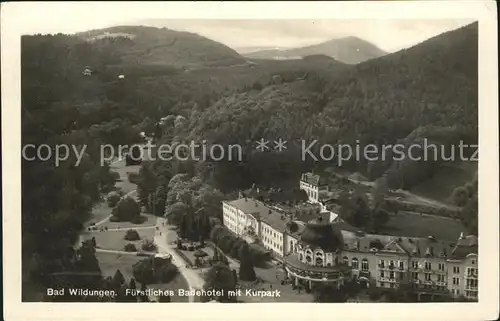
pixel 322 235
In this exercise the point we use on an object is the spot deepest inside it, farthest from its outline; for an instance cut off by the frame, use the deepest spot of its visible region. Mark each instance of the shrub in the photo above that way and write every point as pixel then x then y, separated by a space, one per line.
pixel 130 247
pixel 127 209
pixel 149 246
pixel 146 272
pixel 133 177
pixel 132 235
pixel 115 176
pixel 166 273
pixel 138 220
pixel 114 219
pixel 112 199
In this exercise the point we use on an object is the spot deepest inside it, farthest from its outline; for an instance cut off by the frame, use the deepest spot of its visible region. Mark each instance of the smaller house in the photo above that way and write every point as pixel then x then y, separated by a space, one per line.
pixel 313 185
pixel 87 72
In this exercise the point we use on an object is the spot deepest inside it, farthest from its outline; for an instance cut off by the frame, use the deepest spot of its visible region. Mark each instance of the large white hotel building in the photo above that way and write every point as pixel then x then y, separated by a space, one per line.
pixel 332 251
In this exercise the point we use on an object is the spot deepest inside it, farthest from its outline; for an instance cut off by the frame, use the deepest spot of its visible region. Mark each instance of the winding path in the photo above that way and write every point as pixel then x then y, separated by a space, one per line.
pixel 194 280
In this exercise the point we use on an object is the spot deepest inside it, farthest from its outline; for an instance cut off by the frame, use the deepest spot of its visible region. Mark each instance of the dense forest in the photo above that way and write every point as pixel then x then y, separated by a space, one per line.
pixel 428 91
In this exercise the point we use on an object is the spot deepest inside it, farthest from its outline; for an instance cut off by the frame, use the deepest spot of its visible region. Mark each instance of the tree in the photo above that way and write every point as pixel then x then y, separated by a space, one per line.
pixel 143 297
pixel 220 278
pixel 165 299
pixel 132 284
pixel 461 195
pixel 235 276
pixel 112 199
pixel 328 293
pixel 127 209
pixel 247 271
pixel 356 210
pixel 118 279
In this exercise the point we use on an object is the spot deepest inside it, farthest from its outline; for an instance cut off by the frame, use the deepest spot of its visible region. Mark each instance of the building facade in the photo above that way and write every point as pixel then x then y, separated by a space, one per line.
pixel 313 185
pixel 332 252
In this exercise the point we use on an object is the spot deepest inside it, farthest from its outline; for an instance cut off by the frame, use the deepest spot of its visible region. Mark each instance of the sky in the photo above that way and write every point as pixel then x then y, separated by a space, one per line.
pixel 383 30
pixel 388 35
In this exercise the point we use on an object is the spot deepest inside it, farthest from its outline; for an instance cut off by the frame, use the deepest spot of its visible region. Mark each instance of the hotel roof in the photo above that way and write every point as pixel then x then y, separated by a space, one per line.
pixel 261 211
pixel 313 179
pixel 411 246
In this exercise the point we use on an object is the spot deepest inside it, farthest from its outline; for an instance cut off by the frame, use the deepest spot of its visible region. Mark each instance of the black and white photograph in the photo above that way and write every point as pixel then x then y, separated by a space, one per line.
pixel 251 159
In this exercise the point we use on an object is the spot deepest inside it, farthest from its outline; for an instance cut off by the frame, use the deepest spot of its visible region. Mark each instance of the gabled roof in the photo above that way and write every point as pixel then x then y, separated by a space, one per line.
pixel 313 179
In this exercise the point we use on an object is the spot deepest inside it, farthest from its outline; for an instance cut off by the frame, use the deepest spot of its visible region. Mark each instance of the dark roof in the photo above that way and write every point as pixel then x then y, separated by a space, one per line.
pixel 465 246
pixel 261 211
pixel 323 235
pixel 412 246
pixel 344 226
pixel 313 179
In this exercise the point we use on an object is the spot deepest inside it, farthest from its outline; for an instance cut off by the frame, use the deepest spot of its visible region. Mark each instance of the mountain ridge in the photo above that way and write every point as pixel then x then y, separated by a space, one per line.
pixel 163 46
pixel 349 50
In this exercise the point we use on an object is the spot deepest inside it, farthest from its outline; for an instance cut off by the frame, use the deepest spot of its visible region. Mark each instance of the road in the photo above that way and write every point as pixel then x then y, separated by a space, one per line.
pixel 410 197
pixel 194 280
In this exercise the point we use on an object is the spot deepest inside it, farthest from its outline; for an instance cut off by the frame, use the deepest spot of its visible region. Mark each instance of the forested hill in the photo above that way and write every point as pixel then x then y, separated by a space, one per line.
pixel 349 50
pixel 380 101
pixel 162 46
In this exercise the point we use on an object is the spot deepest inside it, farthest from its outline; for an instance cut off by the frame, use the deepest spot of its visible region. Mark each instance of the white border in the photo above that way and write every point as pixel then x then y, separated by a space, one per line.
pixel 17 15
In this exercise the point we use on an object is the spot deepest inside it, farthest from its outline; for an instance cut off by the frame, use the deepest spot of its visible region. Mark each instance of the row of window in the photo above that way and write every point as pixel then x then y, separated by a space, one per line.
pixel 269 231
pixel 427 277
pixel 355 263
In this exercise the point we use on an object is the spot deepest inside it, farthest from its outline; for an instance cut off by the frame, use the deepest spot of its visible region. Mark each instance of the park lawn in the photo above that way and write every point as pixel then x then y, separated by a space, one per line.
pixel 412 224
pixel 110 262
pixel 99 212
pixel 443 183
pixel 123 171
pixel 150 221
pixel 115 240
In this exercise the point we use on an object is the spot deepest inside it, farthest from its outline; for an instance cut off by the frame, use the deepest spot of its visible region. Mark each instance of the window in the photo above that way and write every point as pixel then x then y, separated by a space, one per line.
pixel 345 260
pixel 472 283
pixel 401 265
pixel 401 275
pixel 441 266
pixel 391 263
pixel 391 275
pixel 471 271
pixel 427 276
pixel 415 275
pixel 428 265
pixel 456 269
pixel 473 261
pixel 381 263
pixel 355 263
pixel 414 264
pixel 364 265
pixel 382 274
pixel 456 281
pixel 440 278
